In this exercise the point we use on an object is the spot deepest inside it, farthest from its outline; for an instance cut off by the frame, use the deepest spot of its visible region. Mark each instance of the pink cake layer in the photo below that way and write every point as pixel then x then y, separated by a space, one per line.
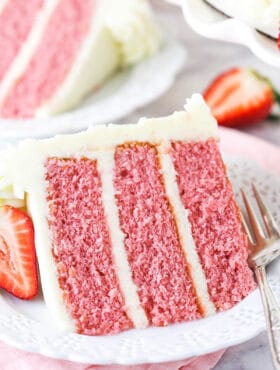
pixel 82 247
pixel 217 231
pixel 16 20
pixel 158 266
pixel 53 59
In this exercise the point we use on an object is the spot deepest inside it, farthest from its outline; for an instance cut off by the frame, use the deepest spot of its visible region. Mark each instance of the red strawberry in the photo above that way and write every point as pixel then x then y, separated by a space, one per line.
pixel 18 273
pixel 240 97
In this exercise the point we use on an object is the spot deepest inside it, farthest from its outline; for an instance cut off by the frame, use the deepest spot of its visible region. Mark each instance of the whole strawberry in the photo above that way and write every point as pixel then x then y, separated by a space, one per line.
pixel 240 97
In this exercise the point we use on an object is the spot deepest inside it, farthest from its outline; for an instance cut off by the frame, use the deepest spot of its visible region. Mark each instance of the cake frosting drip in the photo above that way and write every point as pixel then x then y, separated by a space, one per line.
pixel 9 196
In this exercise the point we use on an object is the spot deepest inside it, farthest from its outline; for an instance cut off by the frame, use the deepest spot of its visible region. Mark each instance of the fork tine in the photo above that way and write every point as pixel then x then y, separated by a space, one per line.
pixel 251 244
pixel 256 227
pixel 268 219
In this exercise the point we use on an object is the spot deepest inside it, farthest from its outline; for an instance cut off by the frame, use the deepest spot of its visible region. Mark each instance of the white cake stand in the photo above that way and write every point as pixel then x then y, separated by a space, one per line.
pixel 210 23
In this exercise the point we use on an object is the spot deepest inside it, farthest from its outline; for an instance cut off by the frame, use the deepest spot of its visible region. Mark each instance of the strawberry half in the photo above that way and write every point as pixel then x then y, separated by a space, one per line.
pixel 18 273
pixel 240 97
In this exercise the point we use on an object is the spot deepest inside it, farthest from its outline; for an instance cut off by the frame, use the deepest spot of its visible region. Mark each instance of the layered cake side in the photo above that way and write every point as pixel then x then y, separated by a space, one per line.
pixel 135 225
pixel 59 51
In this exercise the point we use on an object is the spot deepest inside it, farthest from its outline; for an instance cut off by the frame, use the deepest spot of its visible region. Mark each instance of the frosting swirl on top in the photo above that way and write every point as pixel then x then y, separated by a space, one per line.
pixel 136 33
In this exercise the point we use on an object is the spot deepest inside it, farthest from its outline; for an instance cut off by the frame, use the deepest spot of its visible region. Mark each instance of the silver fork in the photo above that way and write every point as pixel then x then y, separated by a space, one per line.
pixel 263 250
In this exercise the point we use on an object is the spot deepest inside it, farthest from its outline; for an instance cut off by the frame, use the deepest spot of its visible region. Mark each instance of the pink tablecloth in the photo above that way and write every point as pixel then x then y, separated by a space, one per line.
pixel 232 142
pixel 265 154
pixel 14 359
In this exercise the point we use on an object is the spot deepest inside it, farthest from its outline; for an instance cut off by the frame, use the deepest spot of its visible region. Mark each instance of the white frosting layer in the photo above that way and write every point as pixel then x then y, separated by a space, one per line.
pixel 261 14
pixel 184 228
pixel 105 162
pixel 21 62
pixel 38 208
pixel 23 167
pixel 194 124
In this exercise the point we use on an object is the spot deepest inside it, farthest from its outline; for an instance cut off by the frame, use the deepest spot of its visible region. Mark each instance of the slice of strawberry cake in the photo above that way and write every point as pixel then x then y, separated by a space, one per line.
pixel 58 51
pixel 263 15
pixel 135 225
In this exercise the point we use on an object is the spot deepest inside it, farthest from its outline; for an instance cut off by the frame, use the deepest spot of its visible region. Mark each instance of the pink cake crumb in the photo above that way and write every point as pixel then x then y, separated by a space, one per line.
pixel 215 220
pixel 52 60
pixel 155 256
pixel 16 20
pixel 82 247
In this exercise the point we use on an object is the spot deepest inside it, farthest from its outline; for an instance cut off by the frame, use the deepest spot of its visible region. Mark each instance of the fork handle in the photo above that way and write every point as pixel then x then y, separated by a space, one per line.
pixel 272 315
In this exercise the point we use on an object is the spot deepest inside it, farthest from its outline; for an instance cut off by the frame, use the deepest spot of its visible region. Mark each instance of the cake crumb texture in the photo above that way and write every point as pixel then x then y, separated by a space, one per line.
pixel 159 269
pixel 221 244
pixel 16 20
pixel 81 247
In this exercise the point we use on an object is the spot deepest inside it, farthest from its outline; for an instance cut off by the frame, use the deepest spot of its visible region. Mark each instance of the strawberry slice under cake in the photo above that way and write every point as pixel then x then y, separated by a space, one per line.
pixel 263 15
pixel 135 225
pixel 58 51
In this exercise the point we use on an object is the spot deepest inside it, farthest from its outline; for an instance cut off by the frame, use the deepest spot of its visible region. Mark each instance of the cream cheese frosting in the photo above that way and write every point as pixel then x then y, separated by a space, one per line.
pixel 195 123
pixel 184 230
pixel 261 14
pixel 136 313
pixel 134 30
pixel 22 169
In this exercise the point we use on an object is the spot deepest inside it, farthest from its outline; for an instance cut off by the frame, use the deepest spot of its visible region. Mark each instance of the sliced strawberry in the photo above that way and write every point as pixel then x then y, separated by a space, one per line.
pixel 18 273
pixel 240 97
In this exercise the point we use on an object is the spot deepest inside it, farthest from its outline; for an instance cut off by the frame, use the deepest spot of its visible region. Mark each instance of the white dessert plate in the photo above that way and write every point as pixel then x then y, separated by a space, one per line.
pixel 211 23
pixel 28 325
pixel 123 93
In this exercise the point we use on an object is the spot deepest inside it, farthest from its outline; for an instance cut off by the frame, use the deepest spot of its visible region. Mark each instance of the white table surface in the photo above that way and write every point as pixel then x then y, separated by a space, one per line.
pixel 205 59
